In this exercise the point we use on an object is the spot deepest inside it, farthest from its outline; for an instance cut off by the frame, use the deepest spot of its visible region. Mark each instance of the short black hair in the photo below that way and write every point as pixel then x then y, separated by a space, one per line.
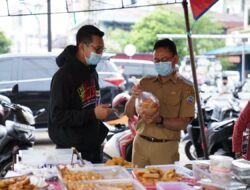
pixel 86 32
pixel 166 43
pixel 224 77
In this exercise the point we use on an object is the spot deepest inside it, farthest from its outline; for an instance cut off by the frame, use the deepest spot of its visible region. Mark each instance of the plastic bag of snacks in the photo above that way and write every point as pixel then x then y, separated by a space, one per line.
pixel 146 104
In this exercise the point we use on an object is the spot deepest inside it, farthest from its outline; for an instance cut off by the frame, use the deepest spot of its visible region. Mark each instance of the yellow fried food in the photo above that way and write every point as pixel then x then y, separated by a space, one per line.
pixel 119 161
pixel 17 183
pixel 94 186
pixel 69 175
pixel 149 176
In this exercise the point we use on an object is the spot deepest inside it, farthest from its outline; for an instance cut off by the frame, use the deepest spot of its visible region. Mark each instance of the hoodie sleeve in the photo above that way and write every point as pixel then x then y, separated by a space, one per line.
pixel 62 114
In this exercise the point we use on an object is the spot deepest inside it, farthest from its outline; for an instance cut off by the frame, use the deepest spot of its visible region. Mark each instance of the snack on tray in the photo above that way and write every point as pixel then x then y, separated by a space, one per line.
pixel 99 185
pixel 69 175
pixel 150 176
pixel 147 104
pixel 20 183
pixel 119 161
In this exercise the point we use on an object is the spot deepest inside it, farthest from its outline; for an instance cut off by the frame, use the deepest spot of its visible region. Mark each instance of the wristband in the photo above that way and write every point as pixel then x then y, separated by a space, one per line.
pixel 161 121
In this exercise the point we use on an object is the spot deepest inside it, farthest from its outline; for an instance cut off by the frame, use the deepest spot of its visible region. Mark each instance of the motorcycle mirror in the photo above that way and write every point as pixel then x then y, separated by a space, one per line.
pixel 39 112
pixel 15 89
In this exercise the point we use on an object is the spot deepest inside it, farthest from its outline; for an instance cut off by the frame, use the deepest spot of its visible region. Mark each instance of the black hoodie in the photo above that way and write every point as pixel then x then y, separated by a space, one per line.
pixel 73 96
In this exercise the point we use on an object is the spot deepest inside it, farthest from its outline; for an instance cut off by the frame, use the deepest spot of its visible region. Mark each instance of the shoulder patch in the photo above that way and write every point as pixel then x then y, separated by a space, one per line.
pixel 185 80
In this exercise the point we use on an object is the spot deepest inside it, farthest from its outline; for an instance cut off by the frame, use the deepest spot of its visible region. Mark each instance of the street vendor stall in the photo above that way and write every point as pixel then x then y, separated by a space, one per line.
pixel 65 170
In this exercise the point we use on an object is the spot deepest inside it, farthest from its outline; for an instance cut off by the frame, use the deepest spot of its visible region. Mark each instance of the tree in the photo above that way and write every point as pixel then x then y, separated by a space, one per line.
pixel 4 43
pixel 165 21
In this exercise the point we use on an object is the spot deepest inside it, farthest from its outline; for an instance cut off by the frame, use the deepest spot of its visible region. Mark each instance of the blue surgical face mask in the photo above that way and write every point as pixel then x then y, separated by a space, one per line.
pixel 93 59
pixel 164 68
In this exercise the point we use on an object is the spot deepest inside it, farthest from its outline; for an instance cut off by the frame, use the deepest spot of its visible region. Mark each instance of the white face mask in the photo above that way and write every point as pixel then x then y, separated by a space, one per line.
pixel 93 59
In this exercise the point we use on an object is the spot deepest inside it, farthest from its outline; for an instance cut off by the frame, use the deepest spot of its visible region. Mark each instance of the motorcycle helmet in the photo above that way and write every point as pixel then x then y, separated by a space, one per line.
pixel 119 102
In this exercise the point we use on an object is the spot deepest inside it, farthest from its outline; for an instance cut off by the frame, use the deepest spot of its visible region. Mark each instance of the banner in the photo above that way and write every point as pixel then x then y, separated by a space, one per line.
pixel 199 7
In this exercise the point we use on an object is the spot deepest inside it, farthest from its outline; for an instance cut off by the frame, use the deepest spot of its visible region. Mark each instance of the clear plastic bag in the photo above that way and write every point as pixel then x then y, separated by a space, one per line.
pixel 146 104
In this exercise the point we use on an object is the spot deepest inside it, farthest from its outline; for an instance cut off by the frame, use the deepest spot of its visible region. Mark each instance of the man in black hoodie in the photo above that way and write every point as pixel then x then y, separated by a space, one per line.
pixel 74 110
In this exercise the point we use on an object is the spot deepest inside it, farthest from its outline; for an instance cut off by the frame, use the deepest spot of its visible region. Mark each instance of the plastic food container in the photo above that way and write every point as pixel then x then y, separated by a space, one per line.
pixel 186 173
pixel 41 158
pixel 221 178
pixel 201 169
pixel 220 164
pixel 108 172
pixel 102 184
pixel 233 185
pixel 241 168
pixel 179 169
pixel 172 186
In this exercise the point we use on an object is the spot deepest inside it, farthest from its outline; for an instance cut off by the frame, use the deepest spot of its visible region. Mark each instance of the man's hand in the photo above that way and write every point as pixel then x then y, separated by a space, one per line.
pixel 136 90
pixel 155 118
pixel 102 111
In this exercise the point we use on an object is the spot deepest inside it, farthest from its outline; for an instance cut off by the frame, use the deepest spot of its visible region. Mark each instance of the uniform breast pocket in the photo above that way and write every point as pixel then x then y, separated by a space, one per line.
pixel 171 106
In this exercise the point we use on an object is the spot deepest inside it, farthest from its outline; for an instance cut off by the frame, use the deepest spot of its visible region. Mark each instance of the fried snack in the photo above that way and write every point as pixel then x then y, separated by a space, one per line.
pixel 94 186
pixel 150 176
pixel 148 107
pixel 17 183
pixel 69 175
pixel 171 175
pixel 119 161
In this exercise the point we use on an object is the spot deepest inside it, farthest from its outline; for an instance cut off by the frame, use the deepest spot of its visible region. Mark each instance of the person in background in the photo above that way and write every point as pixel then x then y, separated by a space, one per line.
pixel 242 124
pixel 225 87
pixel 157 136
pixel 74 111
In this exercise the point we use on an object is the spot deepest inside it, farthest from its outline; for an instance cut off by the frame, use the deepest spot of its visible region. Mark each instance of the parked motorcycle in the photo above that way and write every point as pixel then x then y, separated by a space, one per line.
pixel 16 134
pixel 219 121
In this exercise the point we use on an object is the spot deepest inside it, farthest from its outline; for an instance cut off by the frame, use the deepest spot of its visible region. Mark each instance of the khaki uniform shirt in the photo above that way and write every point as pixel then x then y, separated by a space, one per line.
pixel 177 100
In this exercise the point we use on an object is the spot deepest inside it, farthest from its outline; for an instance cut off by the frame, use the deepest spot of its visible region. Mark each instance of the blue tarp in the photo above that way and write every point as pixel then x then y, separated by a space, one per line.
pixel 233 50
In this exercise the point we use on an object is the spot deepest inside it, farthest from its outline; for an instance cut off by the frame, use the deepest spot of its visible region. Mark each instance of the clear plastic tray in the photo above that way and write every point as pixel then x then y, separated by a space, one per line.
pixel 136 185
pixel 179 169
pixel 39 157
pixel 108 172
pixel 201 169
pixel 172 186
pixel 241 168
pixel 233 185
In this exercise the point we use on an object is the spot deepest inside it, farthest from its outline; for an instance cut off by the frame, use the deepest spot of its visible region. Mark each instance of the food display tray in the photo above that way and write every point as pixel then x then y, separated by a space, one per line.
pixel 108 172
pixel 98 184
pixel 186 173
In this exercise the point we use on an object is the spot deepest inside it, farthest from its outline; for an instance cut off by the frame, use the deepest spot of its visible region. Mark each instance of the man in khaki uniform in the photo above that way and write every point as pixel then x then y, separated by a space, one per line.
pixel 158 135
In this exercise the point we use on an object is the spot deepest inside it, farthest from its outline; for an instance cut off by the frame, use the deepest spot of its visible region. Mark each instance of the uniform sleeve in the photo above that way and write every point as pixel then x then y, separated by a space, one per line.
pixel 187 108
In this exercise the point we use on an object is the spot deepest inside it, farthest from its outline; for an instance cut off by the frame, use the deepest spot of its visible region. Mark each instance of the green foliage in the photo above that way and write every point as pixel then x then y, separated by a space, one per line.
pixel 166 21
pixel 4 44
pixel 160 21
pixel 226 65
pixel 117 40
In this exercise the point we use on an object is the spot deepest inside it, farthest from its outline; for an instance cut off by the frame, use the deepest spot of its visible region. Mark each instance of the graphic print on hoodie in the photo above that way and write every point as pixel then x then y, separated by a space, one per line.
pixel 88 93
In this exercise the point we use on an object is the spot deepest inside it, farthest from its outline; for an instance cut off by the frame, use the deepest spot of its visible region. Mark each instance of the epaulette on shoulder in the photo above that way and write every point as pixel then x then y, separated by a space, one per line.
pixel 185 80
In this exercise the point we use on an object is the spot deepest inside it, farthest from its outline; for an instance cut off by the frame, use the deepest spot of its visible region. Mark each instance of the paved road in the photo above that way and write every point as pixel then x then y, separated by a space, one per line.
pixel 43 142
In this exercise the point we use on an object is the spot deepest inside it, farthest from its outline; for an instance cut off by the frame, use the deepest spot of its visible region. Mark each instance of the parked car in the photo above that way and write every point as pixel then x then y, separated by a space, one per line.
pixel 33 73
pixel 133 69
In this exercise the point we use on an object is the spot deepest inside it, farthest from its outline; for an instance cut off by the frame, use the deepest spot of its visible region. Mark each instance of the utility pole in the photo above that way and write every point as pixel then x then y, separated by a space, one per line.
pixel 243 61
pixel 49 25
